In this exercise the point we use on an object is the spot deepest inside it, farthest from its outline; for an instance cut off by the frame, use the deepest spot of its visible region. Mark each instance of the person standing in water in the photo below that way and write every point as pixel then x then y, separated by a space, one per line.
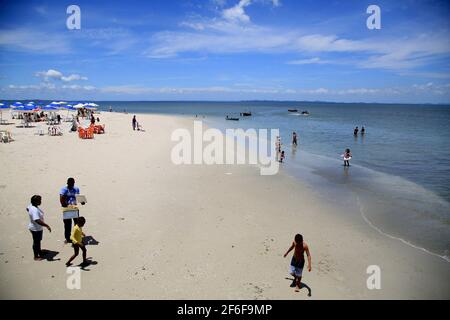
pixel 347 156
pixel 282 156
pixel 298 260
pixel 363 130
pixel 294 138
pixel 355 132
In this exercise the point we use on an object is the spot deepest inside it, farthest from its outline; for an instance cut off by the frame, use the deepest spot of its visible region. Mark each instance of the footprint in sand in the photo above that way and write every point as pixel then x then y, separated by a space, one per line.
pixel 266 243
pixel 258 290
pixel 324 265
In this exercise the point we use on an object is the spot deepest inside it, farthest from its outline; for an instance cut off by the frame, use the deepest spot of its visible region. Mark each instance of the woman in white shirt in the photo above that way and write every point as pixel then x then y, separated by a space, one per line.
pixel 35 226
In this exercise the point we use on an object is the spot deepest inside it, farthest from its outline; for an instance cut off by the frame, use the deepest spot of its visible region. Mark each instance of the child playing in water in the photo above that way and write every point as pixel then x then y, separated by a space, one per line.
pixel 77 240
pixel 298 260
pixel 347 156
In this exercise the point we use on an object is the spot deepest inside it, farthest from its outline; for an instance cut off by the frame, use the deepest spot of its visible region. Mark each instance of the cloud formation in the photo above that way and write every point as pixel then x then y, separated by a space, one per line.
pixel 234 32
pixel 57 75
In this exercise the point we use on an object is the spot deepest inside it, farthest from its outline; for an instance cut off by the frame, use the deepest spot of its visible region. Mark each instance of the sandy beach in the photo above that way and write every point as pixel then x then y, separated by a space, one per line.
pixel 169 231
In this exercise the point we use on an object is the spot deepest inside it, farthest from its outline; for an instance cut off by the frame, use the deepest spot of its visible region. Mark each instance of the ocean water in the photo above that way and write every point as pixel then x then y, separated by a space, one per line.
pixel 399 179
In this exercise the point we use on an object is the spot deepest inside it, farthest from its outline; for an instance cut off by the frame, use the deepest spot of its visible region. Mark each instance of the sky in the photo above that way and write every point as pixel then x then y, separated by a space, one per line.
pixel 309 50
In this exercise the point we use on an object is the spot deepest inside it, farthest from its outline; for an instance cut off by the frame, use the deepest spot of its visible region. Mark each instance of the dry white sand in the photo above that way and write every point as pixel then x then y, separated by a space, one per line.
pixel 186 232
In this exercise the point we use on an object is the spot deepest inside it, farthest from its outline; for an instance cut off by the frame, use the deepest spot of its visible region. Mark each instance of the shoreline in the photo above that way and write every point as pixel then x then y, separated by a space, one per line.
pixel 225 233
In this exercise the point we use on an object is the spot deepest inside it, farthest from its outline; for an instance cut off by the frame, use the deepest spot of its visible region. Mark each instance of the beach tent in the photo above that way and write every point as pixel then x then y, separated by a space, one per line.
pixel 26 110
pixel 67 107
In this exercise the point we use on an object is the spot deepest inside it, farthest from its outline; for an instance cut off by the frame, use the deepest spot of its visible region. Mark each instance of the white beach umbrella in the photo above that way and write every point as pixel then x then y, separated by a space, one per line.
pixel 79 106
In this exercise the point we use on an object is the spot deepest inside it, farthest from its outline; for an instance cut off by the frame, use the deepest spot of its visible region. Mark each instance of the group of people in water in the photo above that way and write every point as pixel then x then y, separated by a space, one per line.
pixel 356 130
pixel 347 155
pixel 280 153
pixel 73 235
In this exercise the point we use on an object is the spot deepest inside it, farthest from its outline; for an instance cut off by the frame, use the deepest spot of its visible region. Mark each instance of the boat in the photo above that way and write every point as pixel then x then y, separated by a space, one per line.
pixel 230 118
pixel 246 114
pixel 292 110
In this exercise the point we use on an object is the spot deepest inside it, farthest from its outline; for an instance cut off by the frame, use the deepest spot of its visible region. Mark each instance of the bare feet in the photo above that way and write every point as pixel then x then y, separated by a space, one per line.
pixel 38 259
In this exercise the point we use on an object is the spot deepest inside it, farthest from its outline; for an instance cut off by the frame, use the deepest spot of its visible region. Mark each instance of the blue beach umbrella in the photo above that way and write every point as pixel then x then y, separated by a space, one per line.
pixel 49 108
pixel 17 104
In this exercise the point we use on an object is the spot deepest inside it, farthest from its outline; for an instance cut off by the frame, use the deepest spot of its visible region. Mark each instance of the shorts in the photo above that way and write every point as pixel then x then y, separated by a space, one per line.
pixel 296 268
pixel 296 271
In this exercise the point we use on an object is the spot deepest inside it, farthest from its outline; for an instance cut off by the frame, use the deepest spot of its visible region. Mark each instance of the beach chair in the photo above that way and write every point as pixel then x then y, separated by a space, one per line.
pixel 90 133
pixel 40 131
pixel 5 136
pixel 98 129
pixel 54 131
pixel 81 133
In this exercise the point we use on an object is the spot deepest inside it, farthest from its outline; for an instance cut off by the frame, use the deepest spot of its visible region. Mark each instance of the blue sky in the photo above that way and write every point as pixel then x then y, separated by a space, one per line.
pixel 226 50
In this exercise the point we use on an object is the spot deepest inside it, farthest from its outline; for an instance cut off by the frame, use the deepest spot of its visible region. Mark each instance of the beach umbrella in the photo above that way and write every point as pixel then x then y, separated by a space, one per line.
pixel 49 108
pixel 17 104
pixel 91 104
pixel 79 106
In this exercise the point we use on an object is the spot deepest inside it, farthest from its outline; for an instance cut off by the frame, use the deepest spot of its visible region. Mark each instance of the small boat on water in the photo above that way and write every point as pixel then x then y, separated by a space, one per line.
pixel 230 118
pixel 293 110
pixel 246 114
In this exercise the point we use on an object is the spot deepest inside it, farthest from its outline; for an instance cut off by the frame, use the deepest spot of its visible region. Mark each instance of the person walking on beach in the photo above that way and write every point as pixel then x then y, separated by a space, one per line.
pixel 134 122
pixel 294 138
pixel 77 240
pixel 347 156
pixel 298 260
pixel 355 132
pixel 67 196
pixel 35 226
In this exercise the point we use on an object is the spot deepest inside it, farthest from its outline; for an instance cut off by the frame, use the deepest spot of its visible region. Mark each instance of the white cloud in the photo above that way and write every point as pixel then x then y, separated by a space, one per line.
pixel 234 32
pixel 53 74
pixel 315 60
pixel 31 40
pixel 42 10
pixel 57 75
pixel 73 77
pixel 237 12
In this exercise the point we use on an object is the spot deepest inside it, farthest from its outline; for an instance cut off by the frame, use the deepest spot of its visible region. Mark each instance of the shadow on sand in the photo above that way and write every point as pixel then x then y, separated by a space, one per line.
pixel 303 285
pixel 49 255
pixel 90 241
